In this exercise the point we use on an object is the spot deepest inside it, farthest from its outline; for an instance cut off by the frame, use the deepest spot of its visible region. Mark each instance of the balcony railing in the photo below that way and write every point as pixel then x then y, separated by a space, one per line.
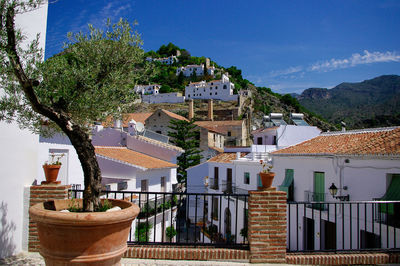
pixel 342 226
pixel 213 184
pixel 227 187
pixel 315 197
pixel 189 214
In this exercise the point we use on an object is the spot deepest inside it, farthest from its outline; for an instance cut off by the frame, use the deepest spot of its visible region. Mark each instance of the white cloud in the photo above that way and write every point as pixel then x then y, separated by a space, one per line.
pixel 287 71
pixel 354 60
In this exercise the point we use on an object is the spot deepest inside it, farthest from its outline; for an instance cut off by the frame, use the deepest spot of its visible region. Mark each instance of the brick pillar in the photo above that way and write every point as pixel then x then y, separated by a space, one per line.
pixel 210 114
pixel 267 226
pixel 191 110
pixel 40 194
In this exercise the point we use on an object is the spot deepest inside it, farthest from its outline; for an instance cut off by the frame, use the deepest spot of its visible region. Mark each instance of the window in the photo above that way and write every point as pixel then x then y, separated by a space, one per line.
pixel 163 183
pixel 215 93
pixel 158 131
pixel 210 93
pixel 246 178
pixel 229 133
pixel 216 178
pixel 216 87
pixel 122 185
pixel 259 141
pixel 225 87
pixel 215 208
pixel 288 184
pixel 144 187
pixel 319 186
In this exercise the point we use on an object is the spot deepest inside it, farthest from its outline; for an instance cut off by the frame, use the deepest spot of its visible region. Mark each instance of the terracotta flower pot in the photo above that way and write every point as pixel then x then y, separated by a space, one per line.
pixel 266 179
pixel 51 172
pixel 83 238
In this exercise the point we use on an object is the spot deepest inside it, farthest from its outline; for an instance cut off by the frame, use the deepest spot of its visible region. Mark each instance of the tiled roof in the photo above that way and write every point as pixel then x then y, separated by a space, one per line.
pixel 220 126
pixel 133 158
pixel 138 117
pixel 159 143
pixel 226 157
pixel 173 115
pixel 383 141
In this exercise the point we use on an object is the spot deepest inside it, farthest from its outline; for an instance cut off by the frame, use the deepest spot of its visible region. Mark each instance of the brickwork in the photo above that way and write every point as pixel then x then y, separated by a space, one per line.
pixel 343 259
pixel 267 226
pixel 40 194
pixel 185 253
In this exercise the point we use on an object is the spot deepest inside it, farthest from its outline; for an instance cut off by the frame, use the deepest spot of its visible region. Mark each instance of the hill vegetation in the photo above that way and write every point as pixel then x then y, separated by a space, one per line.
pixel 263 101
pixel 371 103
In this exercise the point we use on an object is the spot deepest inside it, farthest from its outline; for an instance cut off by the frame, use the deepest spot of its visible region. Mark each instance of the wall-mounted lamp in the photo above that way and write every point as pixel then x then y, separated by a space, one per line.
pixel 333 190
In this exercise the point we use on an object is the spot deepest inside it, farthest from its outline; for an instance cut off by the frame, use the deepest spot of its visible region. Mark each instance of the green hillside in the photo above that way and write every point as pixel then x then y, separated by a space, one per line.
pixel 371 103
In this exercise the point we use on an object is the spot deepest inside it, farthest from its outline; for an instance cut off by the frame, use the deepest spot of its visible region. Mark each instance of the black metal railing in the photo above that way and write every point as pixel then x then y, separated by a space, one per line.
pixel 343 226
pixel 213 184
pixel 199 219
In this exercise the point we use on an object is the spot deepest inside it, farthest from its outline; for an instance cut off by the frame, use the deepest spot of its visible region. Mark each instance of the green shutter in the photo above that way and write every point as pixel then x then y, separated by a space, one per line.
pixel 319 186
pixel 289 176
pixel 392 193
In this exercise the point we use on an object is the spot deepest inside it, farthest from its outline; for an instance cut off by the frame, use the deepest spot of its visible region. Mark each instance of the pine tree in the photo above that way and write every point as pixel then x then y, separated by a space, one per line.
pixel 185 136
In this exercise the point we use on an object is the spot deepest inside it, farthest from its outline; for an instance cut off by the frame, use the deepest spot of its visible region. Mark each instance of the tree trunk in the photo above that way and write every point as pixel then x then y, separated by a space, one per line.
pixel 91 170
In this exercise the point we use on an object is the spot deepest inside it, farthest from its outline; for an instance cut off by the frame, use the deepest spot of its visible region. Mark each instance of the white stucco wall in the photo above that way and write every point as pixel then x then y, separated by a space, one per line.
pixel 173 97
pixel 18 157
pixel 365 178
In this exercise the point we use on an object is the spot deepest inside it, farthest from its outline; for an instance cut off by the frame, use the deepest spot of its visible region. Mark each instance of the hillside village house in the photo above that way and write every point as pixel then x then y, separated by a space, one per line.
pixel 159 121
pixel 128 162
pixel 18 156
pixel 235 131
pixel 189 70
pixel 126 119
pixel 164 60
pixel 235 171
pixel 170 97
pixel 363 165
pixel 151 89
pixel 216 89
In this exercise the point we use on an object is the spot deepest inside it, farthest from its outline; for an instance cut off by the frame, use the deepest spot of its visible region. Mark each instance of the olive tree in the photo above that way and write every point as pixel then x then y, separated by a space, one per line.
pixel 90 80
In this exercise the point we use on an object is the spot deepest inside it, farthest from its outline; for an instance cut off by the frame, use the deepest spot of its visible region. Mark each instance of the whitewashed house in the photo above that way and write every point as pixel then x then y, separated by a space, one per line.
pixel 164 60
pixel 18 157
pixel 198 70
pixel 216 89
pixel 237 171
pixel 151 89
pixel 170 97
pixel 363 165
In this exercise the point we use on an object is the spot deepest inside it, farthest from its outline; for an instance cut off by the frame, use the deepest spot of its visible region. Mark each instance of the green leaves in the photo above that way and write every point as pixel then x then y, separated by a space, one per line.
pixel 184 135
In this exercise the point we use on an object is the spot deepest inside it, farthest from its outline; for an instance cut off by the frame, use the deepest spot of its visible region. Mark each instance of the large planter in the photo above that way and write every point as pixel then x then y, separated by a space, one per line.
pixel 266 179
pixel 51 172
pixel 85 238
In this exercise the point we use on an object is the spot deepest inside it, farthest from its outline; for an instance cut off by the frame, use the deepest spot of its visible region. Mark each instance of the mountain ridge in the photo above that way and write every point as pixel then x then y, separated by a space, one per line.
pixel 370 103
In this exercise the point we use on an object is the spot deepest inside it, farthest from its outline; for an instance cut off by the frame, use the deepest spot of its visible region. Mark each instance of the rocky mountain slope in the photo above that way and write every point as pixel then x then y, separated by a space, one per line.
pixel 371 103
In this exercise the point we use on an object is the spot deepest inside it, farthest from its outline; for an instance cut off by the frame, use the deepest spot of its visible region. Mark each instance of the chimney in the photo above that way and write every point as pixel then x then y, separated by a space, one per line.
pixel 210 116
pixel 117 123
pixel 191 110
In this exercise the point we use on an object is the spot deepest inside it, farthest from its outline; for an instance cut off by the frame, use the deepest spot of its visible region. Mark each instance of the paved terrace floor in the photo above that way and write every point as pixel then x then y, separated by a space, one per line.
pixel 33 258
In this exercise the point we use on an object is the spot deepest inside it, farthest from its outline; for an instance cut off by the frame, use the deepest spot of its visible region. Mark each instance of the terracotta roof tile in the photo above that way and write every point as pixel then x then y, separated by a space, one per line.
pixel 173 115
pixel 226 157
pixel 159 143
pixel 131 157
pixel 138 117
pixel 384 141
pixel 220 126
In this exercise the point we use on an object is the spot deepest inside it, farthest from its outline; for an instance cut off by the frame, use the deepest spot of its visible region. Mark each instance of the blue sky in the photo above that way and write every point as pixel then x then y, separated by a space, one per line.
pixel 288 46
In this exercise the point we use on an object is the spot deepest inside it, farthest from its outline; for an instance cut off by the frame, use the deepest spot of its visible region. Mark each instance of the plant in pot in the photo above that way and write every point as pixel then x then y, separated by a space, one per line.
pixel 91 79
pixel 266 175
pixel 52 168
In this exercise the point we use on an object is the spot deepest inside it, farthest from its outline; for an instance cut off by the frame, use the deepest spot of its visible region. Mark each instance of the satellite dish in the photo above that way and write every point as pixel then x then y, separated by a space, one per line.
pixel 139 127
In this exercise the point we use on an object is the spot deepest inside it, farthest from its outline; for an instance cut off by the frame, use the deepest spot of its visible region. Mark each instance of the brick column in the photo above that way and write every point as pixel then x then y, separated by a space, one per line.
pixel 40 194
pixel 267 226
